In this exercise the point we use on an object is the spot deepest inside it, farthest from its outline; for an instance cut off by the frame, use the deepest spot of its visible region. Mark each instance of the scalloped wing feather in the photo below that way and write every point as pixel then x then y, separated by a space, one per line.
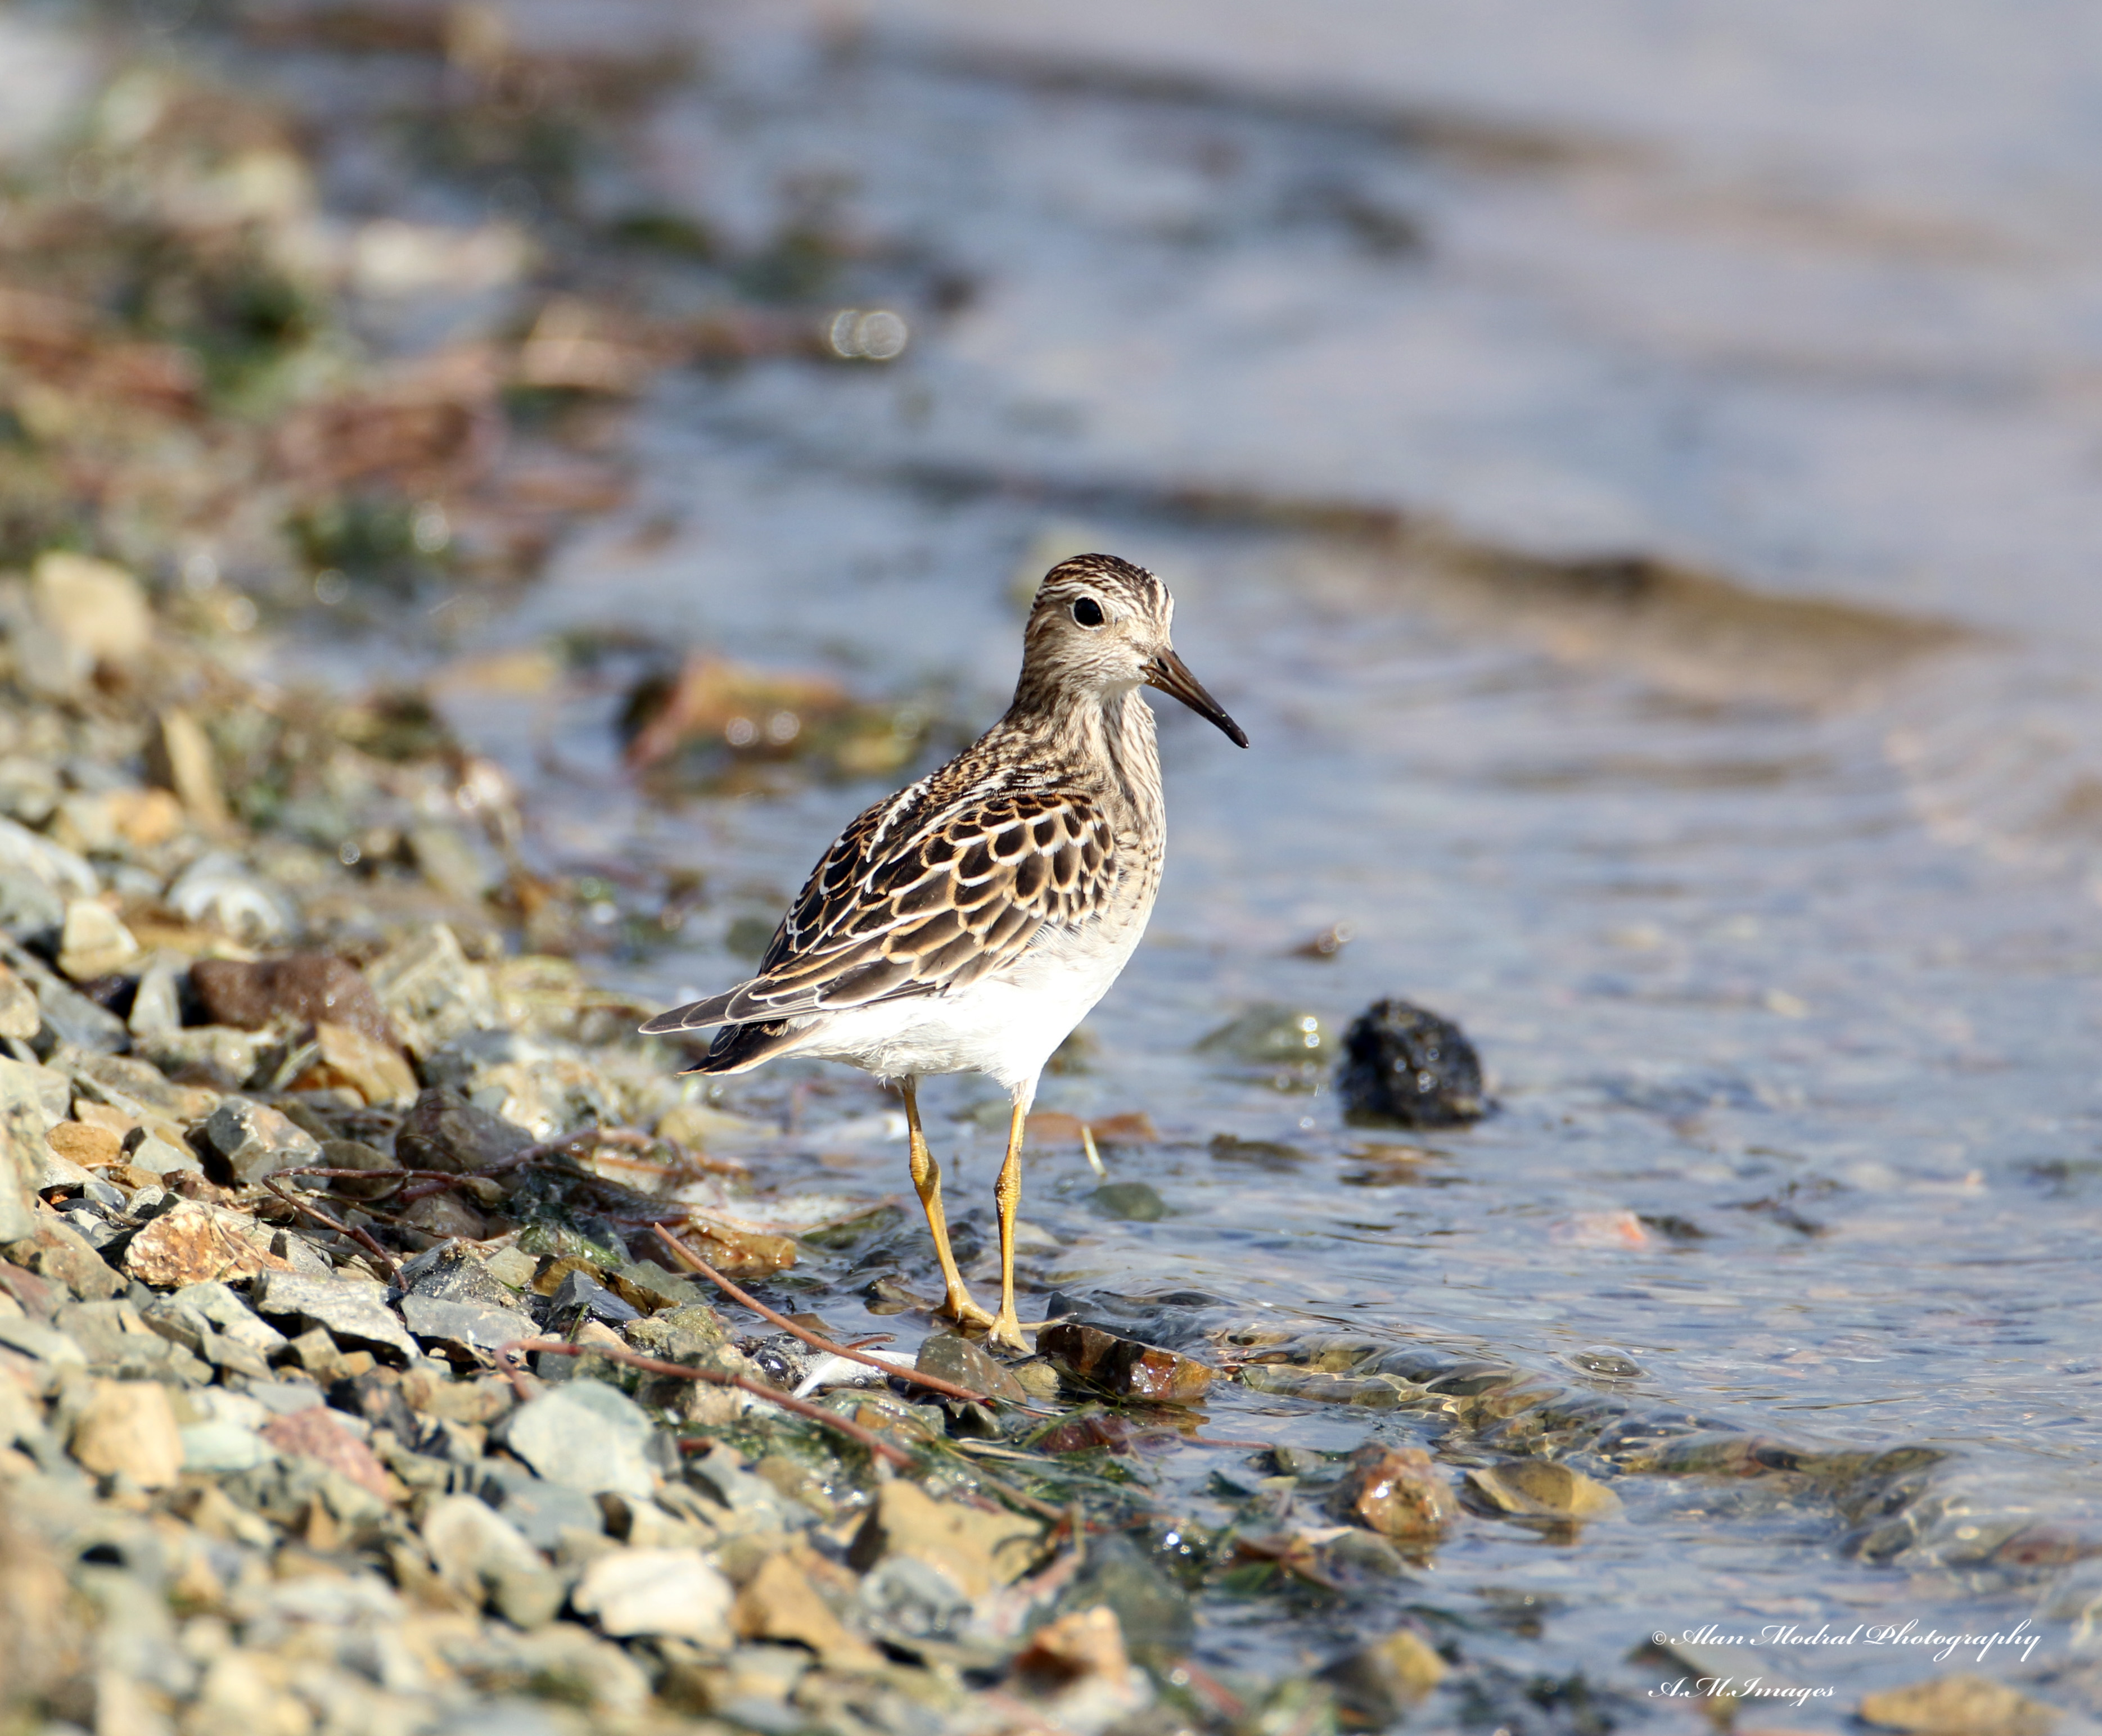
pixel 913 901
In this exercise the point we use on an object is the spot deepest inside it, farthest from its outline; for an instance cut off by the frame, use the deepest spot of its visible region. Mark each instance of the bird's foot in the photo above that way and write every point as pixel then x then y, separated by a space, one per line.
pixel 960 1309
pixel 1005 1331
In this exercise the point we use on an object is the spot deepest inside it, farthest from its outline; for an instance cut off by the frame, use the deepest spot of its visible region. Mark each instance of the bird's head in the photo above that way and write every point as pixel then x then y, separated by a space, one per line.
pixel 1101 624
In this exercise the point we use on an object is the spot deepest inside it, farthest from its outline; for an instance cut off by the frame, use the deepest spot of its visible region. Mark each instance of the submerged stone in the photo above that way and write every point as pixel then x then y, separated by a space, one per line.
pixel 1406 1064
pixel 1125 1367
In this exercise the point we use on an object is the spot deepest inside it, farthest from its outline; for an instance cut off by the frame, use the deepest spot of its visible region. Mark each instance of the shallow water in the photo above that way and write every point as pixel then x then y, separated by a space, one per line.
pixel 1770 918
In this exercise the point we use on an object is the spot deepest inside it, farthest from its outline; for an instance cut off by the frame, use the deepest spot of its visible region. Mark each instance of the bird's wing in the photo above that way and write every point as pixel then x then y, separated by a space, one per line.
pixel 915 901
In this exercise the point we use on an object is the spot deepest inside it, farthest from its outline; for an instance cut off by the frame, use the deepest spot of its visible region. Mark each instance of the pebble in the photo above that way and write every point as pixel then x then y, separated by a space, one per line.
pixel 1397 1492
pixel 129 1428
pixel 1376 1684
pixel 354 1312
pixel 586 1435
pixel 431 992
pixel 482 1555
pixel 1541 1488
pixel 443 1130
pixel 253 1141
pixel 454 1272
pixel 948 1356
pixel 664 1593
pixel 976 1550
pixel 543 1512
pixel 778 1603
pixel 55 1250
pixel 348 1059
pixel 1135 1202
pixel 1124 1366
pixel 466 1326
pixel 20 1017
pixel 93 941
pixel 194 1244
pixel 1962 1705
pixel 304 988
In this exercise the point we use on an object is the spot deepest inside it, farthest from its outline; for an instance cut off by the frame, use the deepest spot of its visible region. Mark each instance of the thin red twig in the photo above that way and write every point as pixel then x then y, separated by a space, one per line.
pixel 387 1262
pixel 818 1341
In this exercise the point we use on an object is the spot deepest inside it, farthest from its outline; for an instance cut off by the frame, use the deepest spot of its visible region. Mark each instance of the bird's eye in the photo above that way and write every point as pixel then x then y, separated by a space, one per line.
pixel 1088 611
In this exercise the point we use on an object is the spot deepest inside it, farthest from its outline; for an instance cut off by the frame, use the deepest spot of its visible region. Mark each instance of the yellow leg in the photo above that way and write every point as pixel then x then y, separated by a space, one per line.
pixel 1006 1329
pixel 927 1182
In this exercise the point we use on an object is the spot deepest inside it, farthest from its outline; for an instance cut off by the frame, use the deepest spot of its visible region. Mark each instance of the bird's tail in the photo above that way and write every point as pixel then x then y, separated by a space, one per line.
pixel 737 1048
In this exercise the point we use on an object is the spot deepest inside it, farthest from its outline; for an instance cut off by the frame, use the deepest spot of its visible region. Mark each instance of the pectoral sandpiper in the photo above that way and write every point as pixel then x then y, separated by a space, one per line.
pixel 969 921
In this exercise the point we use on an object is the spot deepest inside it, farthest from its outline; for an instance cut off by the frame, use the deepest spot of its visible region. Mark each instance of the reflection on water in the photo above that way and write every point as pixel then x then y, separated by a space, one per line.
pixel 1764 904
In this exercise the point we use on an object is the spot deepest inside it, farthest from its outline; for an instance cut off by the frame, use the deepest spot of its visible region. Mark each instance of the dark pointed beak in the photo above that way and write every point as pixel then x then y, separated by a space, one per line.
pixel 1171 675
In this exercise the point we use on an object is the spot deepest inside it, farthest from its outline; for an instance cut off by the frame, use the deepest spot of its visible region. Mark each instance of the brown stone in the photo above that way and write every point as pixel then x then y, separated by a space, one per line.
pixel 739 1253
pixel 1964 1705
pixel 348 1059
pixel 977 1548
pixel 1124 1366
pixel 89 1146
pixel 305 989
pixel 179 758
pixel 445 1131
pixel 446 1215
pixel 195 1243
pixel 1396 1491
pixel 19 1015
pixel 145 818
pixel 779 1603
pixel 55 1250
pixel 356 1154
pixel 129 1426
pixel 316 1434
pixel 1539 1488
pixel 1081 1643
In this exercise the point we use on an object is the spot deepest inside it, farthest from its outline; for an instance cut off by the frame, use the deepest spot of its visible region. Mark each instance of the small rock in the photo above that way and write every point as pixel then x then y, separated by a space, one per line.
pixel 1125 1367
pixel 1397 1492
pixel 1404 1064
pixel 179 758
pixel 1375 1684
pixel 231 1317
pixel 194 1244
pixel 431 992
pixel 305 989
pixel 221 1449
pixel 318 1435
pixel 47 1344
pixel 19 1016
pixel 454 1272
pixel 950 1357
pixel 1266 1035
pixel 543 1513
pixel 1135 1202
pixel 129 1427
pixel 482 1554
pixel 587 1435
pixel 219 889
pixel 667 1593
pixel 444 1131
pixel 357 1154
pixel 96 610
pixel 1078 1665
pixel 446 1215
pixel 354 1312
pixel 214 1052
pixel 1153 1612
pixel 978 1550
pixel 347 1059
pixel 94 943
pixel 547 1087
pixel 156 1004
pixel 75 1020
pixel 466 1326
pixel 157 1154
pixel 778 1603
pixel 580 1297
pixel 253 1141
pixel 1541 1488
pixel 1959 1706
pixel 89 1147
pixel 55 1250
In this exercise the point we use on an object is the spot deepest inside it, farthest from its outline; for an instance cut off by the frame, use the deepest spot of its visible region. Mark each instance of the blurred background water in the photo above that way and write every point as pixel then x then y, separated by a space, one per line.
pixel 1631 469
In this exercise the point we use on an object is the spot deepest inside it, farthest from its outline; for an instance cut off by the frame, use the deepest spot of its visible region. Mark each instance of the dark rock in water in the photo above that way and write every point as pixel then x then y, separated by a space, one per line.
pixel 1404 1064
pixel 303 989
pixel 1375 1684
pixel 445 1131
pixel 1133 1201
pixel 1123 1365
pixel 581 1297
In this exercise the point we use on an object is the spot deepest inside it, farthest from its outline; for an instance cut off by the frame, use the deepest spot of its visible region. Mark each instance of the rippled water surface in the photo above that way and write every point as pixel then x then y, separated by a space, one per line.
pixel 1764 896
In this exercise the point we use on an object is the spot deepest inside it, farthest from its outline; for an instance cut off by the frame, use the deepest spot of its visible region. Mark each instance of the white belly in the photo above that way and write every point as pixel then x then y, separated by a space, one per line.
pixel 1005 1025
